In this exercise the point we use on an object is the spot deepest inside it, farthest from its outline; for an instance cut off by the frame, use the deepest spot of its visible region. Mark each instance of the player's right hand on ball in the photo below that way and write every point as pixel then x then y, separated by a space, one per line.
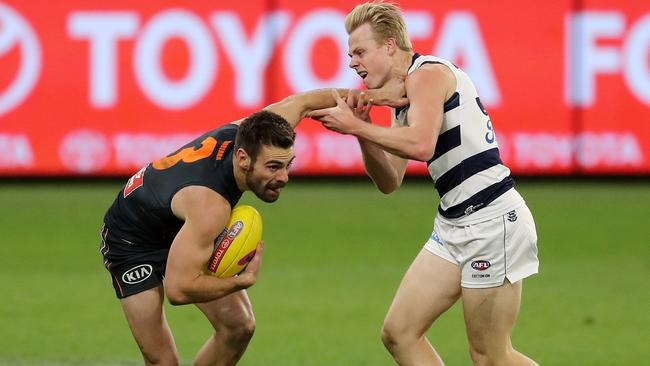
pixel 248 276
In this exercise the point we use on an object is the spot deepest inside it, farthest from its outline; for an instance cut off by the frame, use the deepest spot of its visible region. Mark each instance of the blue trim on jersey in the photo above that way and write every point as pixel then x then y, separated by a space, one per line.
pixel 466 169
pixel 479 200
pixel 431 62
pixel 413 58
pixel 452 102
pixel 446 141
pixel 399 110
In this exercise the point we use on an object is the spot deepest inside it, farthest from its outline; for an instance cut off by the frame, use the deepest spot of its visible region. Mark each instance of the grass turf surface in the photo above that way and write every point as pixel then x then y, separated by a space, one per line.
pixel 334 257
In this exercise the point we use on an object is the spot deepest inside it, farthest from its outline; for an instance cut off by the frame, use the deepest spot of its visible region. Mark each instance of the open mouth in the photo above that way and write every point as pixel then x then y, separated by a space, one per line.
pixel 363 74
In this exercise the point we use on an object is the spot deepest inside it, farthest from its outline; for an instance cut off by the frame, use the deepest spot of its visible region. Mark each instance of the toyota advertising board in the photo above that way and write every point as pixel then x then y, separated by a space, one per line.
pixel 98 90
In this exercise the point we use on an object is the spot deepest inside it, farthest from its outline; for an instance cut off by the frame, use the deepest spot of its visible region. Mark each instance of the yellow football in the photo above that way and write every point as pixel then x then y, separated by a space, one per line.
pixel 236 245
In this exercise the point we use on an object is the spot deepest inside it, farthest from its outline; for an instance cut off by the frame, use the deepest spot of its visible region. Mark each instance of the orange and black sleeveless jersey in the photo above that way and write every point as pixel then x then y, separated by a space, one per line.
pixel 141 215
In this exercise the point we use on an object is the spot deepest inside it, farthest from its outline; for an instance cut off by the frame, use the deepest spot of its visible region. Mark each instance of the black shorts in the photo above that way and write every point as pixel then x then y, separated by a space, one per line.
pixel 134 268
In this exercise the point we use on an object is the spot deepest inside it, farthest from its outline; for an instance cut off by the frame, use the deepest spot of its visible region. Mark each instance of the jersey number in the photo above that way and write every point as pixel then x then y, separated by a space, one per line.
pixel 192 154
pixel 489 135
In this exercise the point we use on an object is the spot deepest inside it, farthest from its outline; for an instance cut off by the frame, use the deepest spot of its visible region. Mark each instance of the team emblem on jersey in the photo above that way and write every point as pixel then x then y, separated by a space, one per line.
pixel 512 216
pixel 135 182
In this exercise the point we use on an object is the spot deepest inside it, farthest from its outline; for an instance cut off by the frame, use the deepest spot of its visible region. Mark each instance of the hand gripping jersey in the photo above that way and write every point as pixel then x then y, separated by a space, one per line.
pixel 141 215
pixel 466 167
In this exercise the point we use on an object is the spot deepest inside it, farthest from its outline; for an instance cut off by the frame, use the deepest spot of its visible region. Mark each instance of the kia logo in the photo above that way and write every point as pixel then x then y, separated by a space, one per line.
pixel 481 265
pixel 15 31
pixel 137 274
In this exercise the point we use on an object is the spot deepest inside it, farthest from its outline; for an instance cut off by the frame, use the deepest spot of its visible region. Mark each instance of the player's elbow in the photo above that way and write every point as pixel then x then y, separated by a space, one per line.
pixel 387 187
pixel 291 99
pixel 294 102
pixel 176 295
pixel 178 299
pixel 422 150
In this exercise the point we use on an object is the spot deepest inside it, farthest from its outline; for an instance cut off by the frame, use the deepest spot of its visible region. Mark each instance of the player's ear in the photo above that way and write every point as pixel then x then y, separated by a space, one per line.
pixel 391 44
pixel 243 159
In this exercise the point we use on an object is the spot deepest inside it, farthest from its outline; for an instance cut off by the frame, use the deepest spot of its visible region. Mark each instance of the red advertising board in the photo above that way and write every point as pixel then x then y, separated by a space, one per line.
pixel 92 89
pixel 609 86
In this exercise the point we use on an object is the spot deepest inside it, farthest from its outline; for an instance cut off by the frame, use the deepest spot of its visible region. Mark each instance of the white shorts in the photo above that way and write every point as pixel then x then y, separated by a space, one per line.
pixel 488 252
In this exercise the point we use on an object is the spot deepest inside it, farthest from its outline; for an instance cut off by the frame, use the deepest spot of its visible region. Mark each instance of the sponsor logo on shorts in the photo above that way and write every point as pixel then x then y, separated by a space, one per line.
pixel 436 238
pixel 512 216
pixel 481 275
pixel 481 265
pixel 137 274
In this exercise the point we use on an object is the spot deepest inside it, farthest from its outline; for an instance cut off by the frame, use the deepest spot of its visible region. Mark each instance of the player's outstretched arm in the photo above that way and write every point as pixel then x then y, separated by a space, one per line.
pixel 205 214
pixel 296 107
pixel 427 89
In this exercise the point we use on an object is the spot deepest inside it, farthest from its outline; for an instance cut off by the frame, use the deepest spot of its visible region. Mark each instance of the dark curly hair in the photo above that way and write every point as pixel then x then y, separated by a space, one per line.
pixel 264 128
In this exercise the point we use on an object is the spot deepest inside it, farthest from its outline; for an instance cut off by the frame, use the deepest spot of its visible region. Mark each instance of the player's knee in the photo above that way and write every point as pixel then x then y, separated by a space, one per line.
pixel 499 357
pixel 480 360
pixel 483 357
pixel 247 329
pixel 160 358
pixel 394 334
pixel 388 338
pixel 241 334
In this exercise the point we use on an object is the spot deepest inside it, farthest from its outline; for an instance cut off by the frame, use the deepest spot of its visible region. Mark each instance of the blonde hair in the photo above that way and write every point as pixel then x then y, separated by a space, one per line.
pixel 385 19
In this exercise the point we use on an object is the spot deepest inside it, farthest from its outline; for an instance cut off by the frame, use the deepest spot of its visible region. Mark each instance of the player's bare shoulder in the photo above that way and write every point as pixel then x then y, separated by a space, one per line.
pixel 430 75
pixel 199 202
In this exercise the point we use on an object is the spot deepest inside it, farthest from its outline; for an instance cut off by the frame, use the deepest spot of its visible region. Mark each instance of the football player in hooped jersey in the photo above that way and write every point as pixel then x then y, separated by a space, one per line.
pixel 484 241
pixel 163 223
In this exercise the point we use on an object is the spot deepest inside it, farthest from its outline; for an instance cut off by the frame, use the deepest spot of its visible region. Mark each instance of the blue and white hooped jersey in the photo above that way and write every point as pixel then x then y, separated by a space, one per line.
pixel 469 175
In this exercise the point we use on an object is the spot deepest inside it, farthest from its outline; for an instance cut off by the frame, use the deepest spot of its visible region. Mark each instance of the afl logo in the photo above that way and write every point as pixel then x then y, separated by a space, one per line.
pixel 137 274
pixel 15 32
pixel 481 265
pixel 235 229
pixel 222 243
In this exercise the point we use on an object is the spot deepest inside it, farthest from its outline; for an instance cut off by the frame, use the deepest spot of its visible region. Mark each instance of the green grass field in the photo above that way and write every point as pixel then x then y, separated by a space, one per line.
pixel 335 254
